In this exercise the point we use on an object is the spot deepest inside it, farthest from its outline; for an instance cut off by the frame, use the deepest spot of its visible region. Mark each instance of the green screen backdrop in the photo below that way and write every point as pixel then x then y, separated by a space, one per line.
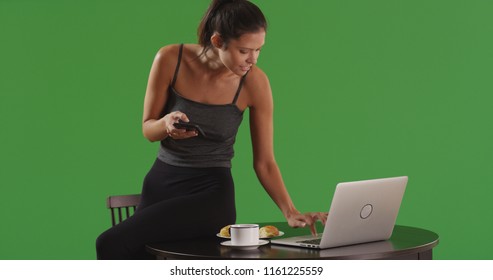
pixel 362 89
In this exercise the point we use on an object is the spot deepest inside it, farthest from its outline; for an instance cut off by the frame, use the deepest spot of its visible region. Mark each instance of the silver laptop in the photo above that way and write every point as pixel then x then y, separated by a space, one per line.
pixel 362 211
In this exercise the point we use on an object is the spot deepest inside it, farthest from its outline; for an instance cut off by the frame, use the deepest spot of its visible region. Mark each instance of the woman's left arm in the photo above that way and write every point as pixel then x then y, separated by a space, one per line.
pixel 266 168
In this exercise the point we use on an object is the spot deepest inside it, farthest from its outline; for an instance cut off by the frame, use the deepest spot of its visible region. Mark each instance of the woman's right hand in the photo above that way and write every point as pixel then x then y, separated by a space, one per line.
pixel 176 133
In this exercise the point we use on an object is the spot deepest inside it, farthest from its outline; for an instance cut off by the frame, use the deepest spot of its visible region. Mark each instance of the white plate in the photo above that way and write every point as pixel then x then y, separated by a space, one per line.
pixel 281 233
pixel 244 247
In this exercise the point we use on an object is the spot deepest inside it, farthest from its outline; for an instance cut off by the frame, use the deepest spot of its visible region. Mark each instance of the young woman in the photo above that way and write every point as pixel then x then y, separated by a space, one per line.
pixel 189 191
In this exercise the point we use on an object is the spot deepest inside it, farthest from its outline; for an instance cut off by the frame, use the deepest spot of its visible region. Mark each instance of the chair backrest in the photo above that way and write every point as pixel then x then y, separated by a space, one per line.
pixel 117 203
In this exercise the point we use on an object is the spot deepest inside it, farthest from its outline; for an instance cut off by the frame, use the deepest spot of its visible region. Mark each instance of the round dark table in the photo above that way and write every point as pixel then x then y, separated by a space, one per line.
pixel 405 243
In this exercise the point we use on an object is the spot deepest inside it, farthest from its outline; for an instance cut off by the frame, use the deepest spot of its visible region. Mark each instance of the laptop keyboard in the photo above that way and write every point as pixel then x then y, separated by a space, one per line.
pixel 311 241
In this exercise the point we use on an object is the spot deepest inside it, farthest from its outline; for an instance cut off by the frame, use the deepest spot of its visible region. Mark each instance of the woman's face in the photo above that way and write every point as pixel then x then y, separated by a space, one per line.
pixel 239 55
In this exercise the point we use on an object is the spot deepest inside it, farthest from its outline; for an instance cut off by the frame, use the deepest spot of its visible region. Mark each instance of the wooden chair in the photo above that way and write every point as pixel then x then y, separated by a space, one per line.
pixel 117 203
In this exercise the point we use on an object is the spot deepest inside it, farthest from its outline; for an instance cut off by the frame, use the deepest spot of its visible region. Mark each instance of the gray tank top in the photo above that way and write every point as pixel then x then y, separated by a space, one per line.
pixel 220 124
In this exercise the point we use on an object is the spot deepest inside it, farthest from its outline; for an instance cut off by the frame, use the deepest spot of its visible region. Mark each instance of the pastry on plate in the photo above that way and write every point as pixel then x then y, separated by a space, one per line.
pixel 268 231
pixel 225 232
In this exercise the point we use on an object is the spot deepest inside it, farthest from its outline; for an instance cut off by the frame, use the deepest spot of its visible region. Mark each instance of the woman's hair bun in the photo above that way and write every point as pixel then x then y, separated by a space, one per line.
pixel 231 19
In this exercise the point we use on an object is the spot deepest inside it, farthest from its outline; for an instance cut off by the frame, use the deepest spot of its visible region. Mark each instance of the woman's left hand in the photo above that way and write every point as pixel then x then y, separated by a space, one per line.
pixel 302 220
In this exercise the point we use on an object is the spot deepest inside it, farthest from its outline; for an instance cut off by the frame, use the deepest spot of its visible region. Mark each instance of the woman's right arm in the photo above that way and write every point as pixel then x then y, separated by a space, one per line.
pixel 155 127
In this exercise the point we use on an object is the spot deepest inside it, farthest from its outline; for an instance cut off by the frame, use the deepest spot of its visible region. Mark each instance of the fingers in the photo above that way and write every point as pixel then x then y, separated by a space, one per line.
pixel 313 229
pixel 176 133
pixel 297 223
pixel 184 118
pixel 311 218
pixel 322 217
pixel 302 220
pixel 182 133
pixel 177 115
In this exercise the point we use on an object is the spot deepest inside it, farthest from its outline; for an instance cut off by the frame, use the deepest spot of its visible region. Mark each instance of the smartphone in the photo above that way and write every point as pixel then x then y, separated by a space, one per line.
pixel 189 126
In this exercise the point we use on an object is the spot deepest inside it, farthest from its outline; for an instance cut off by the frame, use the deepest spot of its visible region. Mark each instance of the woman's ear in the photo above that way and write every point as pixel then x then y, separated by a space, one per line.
pixel 217 41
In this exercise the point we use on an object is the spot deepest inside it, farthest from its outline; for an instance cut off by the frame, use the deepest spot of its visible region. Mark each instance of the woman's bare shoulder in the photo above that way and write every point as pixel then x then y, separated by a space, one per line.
pixel 257 80
pixel 257 88
pixel 167 53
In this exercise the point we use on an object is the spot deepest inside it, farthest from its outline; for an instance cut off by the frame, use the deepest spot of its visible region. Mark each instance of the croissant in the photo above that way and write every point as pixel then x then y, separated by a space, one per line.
pixel 268 231
pixel 225 231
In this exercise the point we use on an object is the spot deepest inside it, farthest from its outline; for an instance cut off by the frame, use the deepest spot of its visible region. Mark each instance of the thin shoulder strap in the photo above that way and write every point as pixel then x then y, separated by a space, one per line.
pixel 239 87
pixel 177 66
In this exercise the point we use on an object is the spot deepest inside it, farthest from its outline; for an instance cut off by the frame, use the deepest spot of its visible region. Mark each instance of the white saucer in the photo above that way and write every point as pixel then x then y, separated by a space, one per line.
pixel 281 233
pixel 245 247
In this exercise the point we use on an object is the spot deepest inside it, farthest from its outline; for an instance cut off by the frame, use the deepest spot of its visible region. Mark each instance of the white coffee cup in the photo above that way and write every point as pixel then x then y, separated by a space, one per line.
pixel 244 234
